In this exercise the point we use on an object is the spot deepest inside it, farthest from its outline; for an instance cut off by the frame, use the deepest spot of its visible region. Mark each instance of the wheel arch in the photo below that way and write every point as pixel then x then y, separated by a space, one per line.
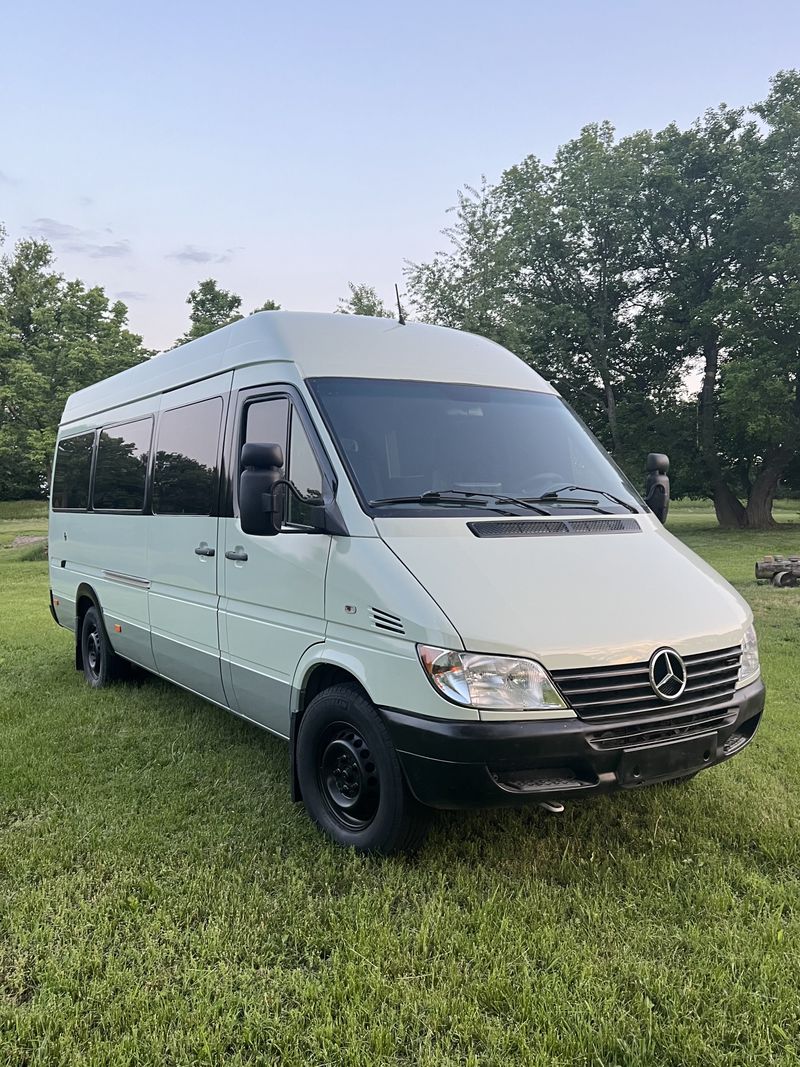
pixel 317 671
pixel 85 598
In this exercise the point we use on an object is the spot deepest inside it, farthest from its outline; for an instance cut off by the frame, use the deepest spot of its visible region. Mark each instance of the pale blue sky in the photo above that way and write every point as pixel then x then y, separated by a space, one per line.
pixel 286 148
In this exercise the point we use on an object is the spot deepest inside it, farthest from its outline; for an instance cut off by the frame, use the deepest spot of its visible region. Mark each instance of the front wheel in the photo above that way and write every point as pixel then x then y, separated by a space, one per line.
pixel 350 777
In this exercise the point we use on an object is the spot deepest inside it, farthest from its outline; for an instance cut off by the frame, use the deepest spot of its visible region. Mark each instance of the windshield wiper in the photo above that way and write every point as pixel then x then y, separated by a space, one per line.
pixel 463 497
pixel 552 494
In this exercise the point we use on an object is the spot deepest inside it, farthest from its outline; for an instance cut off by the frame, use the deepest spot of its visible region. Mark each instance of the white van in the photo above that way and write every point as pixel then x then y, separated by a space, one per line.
pixel 396 547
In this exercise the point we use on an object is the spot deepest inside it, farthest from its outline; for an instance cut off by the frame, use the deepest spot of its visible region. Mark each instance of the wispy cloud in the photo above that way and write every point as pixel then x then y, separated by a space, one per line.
pixel 130 294
pixel 82 241
pixel 116 250
pixel 8 179
pixel 193 254
pixel 53 230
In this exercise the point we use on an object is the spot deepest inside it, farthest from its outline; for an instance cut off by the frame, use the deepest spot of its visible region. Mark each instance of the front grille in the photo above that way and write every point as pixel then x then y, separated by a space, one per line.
pixel 605 692
pixel 654 730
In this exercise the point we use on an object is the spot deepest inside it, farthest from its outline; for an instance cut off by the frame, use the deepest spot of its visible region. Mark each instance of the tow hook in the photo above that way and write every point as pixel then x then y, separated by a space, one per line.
pixel 555 807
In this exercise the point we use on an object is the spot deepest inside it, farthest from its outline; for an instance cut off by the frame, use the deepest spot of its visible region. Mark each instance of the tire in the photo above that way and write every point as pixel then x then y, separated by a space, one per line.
pixel 350 777
pixel 101 665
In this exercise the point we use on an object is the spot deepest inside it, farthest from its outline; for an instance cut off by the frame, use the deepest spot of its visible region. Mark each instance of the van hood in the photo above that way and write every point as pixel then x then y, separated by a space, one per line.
pixel 570 600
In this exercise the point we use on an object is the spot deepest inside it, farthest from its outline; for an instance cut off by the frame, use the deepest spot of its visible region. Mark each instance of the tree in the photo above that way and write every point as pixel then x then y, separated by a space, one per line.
pixel 720 202
pixel 56 336
pixel 268 305
pixel 622 267
pixel 549 263
pixel 363 300
pixel 211 308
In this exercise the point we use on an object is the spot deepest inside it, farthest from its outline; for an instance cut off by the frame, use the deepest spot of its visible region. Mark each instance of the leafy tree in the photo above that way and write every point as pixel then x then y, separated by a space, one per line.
pixel 623 266
pixel 211 308
pixel 268 305
pixel 363 300
pixel 56 336
pixel 720 201
pixel 549 263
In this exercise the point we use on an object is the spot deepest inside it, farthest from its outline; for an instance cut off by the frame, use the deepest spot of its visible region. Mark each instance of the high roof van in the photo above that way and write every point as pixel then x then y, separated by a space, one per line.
pixel 396 547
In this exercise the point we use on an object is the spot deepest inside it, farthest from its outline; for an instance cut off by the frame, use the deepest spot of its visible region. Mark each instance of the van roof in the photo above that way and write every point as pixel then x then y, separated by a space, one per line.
pixel 320 345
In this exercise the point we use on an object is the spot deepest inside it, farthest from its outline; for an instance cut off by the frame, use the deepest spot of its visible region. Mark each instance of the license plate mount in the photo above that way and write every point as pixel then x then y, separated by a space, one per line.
pixel 657 763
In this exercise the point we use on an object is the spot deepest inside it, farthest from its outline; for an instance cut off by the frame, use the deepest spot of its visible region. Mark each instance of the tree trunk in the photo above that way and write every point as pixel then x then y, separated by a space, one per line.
pixel 611 412
pixel 729 509
pixel 762 492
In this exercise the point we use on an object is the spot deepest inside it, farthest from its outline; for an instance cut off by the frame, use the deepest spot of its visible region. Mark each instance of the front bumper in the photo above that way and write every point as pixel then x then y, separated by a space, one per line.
pixel 487 764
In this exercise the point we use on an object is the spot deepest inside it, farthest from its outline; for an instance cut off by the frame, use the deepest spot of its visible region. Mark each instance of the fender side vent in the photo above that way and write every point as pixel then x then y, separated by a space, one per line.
pixel 554 527
pixel 384 620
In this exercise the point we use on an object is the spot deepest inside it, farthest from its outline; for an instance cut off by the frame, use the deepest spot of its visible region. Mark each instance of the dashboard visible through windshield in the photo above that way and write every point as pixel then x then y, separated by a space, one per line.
pixel 416 447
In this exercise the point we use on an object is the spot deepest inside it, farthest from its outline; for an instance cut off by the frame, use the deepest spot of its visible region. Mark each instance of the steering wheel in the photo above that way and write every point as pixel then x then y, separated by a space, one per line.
pixel 540 483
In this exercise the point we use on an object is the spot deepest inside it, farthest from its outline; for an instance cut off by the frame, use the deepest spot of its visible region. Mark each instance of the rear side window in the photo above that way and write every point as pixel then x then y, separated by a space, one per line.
pixel 121 472
pixel 72 472
pixel 186 475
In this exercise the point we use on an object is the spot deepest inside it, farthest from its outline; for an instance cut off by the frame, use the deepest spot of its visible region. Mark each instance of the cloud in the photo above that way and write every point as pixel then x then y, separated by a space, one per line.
pixel 83 242
pixel 117 250
pixel 130 294
pixel 6 179
pixel 85 201
pixel 53 230
pixel 193 254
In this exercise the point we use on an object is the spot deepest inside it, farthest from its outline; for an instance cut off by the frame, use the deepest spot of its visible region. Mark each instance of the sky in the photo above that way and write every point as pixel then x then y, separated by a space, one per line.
pixel 288 148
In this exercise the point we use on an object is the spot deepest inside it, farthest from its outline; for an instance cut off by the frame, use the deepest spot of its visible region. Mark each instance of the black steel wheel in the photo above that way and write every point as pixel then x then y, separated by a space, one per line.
pixel 100 662
pixel 350 777
pixel 347 777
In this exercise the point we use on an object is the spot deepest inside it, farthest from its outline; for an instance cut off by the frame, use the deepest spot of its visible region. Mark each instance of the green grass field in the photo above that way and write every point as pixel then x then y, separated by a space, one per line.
pixel 163 902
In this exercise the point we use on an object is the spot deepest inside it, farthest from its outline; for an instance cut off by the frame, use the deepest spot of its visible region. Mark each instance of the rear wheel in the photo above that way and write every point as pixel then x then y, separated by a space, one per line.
pixel 101 665
pixel 350 777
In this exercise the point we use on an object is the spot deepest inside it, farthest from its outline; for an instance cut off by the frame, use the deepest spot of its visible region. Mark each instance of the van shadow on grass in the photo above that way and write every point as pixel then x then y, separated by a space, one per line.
pixel 249 772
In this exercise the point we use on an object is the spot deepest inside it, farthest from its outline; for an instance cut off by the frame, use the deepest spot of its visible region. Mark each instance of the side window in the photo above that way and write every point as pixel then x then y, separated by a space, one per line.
pixel 304 474
pixel 72 471
pixel 185 479
pixel 121 471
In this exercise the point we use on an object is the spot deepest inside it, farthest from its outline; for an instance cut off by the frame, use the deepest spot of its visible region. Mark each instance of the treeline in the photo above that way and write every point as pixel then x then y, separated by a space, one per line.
pixel 655 280
pixel 626 269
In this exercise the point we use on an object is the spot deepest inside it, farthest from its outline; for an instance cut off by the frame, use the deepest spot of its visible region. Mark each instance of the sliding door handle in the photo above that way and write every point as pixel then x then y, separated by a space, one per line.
pixel 237 554
pixel 204 550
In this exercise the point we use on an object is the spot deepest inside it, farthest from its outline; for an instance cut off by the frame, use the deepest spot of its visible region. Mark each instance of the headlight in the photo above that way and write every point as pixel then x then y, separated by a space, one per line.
pixel 749 668
pixel 504 683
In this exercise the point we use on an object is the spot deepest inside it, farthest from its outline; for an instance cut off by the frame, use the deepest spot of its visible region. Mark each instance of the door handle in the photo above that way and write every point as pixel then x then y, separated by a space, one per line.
pixel 237 554
pixel 204 550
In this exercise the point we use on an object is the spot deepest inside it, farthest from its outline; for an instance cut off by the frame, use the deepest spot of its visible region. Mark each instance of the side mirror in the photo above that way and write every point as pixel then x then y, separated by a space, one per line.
pixel 261 501
pixel 657 486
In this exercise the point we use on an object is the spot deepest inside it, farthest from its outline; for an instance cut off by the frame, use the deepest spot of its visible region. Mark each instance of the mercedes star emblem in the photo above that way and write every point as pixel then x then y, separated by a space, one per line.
pixel 667 674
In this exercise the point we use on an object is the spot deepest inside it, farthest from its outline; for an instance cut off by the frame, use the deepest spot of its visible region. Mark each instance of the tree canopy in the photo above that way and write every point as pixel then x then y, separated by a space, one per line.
pixel 625 269
pixel 56 336
pixel 363 300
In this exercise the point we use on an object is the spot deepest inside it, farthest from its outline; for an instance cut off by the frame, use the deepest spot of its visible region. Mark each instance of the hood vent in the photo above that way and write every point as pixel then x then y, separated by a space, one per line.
pixel 384 620
pixel 554 527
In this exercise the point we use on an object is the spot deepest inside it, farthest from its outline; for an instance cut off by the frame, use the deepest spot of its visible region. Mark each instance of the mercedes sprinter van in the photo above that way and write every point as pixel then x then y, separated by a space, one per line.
pixel 396 547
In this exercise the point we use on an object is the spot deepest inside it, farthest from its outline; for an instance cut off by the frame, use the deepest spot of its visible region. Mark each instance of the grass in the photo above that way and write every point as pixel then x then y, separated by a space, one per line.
pixel 163 902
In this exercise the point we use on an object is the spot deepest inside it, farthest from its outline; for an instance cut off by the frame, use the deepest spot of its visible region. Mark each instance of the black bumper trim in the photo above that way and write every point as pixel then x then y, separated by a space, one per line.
pixel 452 764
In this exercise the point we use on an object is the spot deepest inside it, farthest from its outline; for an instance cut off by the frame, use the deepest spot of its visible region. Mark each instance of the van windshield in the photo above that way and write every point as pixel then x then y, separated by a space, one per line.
pixel 403 440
